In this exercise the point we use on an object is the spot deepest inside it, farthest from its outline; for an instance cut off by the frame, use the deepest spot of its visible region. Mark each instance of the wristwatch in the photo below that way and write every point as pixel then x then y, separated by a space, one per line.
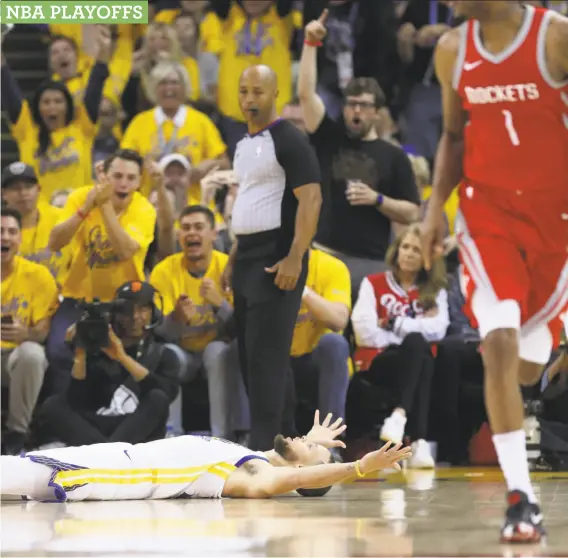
pixel 380 200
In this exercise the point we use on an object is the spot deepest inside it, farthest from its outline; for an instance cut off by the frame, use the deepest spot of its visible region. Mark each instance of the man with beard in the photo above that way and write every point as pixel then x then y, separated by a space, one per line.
pixel 368 183
pixel 197 318
pixel 190 467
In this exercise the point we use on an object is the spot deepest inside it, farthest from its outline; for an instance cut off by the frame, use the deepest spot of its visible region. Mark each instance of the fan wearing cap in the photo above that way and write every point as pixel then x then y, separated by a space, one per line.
pixel 169 197
pixel 123 392
pixel 29 299
pixel 53 135
pixel 175 127
pixel 176 170
pixel 110 227
pixel 21 191
pixel 198 316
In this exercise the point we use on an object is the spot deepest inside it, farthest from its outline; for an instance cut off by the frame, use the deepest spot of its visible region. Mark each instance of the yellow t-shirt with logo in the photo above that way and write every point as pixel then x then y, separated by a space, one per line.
pixel 34 246
pixel 328 277
pixel 197 138
pixel 119 67
pixel 265 40
pixel 67 161
pixel 113 89
pixel 172 279
pixel 96 270
pixel 29 294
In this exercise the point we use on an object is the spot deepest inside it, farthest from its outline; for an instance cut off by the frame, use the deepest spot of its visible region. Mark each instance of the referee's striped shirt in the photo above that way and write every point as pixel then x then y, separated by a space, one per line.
pixel 269 166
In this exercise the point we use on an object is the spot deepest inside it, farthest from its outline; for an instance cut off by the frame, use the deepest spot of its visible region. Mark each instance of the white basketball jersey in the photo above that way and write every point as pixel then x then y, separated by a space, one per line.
pixel 187 466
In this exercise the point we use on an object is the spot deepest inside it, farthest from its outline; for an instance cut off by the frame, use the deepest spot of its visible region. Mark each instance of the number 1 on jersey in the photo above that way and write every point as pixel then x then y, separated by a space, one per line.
pixel 510 126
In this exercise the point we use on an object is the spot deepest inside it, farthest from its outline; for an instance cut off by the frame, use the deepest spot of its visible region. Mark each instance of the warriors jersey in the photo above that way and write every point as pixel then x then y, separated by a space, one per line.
pixel 187 466
pixel 517 135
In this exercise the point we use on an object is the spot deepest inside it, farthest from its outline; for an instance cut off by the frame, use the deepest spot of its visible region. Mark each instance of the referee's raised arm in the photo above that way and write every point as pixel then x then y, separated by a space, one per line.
pixel 274 218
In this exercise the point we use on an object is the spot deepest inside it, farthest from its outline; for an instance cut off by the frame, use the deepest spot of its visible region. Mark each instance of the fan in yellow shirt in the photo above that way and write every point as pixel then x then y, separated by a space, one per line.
pixel 112 226
pixel 21 191
pixel 195 307
pixel 70 63
pixel 173 127
pixel 320 353
pixel 197 317
pixel 74 68
pixel 210 33
pixel 29 292
pixel 259 35
pixel 51 135
pixel 29 300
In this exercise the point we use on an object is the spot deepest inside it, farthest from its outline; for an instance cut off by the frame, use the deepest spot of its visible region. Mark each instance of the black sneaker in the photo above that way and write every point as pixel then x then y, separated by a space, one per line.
pixel 13 442
pixel 523 520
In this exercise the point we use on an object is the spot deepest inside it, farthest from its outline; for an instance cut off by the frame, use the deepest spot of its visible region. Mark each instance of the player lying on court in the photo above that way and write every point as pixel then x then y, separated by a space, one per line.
pixel 190 467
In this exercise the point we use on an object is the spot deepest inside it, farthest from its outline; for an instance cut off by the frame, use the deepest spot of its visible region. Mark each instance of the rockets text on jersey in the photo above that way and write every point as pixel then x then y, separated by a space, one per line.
pixel 519 92
pixel 511 99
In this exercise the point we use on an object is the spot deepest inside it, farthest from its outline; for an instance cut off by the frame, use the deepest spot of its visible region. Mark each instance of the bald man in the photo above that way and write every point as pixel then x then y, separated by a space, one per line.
pixel 274 218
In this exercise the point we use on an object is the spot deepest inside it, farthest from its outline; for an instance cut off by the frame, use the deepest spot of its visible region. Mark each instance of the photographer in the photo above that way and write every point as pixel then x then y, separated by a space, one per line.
pixel 122 382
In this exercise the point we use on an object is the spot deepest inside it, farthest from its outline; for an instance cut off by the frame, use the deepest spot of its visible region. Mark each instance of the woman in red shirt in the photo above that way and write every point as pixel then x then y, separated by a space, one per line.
pixel 398 315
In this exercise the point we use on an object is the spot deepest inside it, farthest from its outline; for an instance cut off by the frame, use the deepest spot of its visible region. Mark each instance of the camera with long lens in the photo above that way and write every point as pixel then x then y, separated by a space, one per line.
pixel 92 328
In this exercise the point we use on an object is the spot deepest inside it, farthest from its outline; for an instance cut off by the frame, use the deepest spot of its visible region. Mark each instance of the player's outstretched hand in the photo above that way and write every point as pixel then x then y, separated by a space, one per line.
pixel 385 458
pixel 325 434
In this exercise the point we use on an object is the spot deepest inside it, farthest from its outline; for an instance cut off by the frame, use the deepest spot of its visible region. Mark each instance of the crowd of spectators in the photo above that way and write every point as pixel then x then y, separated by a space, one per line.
pixel 124 190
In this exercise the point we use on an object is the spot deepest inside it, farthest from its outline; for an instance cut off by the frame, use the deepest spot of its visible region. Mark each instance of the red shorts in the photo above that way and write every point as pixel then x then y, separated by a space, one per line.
pixel 514 246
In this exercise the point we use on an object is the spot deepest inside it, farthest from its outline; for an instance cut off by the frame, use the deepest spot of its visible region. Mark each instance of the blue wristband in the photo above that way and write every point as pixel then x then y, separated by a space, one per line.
pixel 380 200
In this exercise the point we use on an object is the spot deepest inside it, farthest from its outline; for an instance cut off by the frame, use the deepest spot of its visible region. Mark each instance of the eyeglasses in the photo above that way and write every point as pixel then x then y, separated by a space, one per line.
pixel 363 105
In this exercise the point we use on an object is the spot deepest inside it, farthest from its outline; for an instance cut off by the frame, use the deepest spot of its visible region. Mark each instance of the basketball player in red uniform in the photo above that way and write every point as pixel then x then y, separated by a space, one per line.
pixel 504 79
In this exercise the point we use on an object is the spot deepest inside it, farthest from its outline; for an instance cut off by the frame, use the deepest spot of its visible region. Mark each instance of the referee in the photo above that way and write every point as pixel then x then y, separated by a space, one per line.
pixel 274 218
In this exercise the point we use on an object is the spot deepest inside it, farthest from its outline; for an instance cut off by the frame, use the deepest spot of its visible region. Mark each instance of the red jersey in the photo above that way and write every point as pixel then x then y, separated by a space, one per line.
pixel 517 135
pixel 382 298
pixel 392 300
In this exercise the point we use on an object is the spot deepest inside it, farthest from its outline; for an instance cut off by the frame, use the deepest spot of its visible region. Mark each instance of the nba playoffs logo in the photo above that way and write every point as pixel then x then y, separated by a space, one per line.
pixel 109 12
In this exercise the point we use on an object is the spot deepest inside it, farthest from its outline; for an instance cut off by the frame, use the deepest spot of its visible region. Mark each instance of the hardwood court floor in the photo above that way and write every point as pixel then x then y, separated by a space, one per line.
pixel 458 513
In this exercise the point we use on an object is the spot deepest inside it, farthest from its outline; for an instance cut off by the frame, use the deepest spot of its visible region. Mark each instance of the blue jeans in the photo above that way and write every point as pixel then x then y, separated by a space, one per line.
pixel 228 402
pixel 326 367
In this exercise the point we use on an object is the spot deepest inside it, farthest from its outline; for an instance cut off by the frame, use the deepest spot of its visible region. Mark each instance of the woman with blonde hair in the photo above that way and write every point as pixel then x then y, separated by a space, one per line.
pixel 159 44
pixel 399 314
pixel 173 126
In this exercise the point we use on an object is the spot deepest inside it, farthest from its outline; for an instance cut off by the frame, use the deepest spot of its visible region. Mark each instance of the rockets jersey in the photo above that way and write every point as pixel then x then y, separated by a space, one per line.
pixel 517 136
pixel 186 466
